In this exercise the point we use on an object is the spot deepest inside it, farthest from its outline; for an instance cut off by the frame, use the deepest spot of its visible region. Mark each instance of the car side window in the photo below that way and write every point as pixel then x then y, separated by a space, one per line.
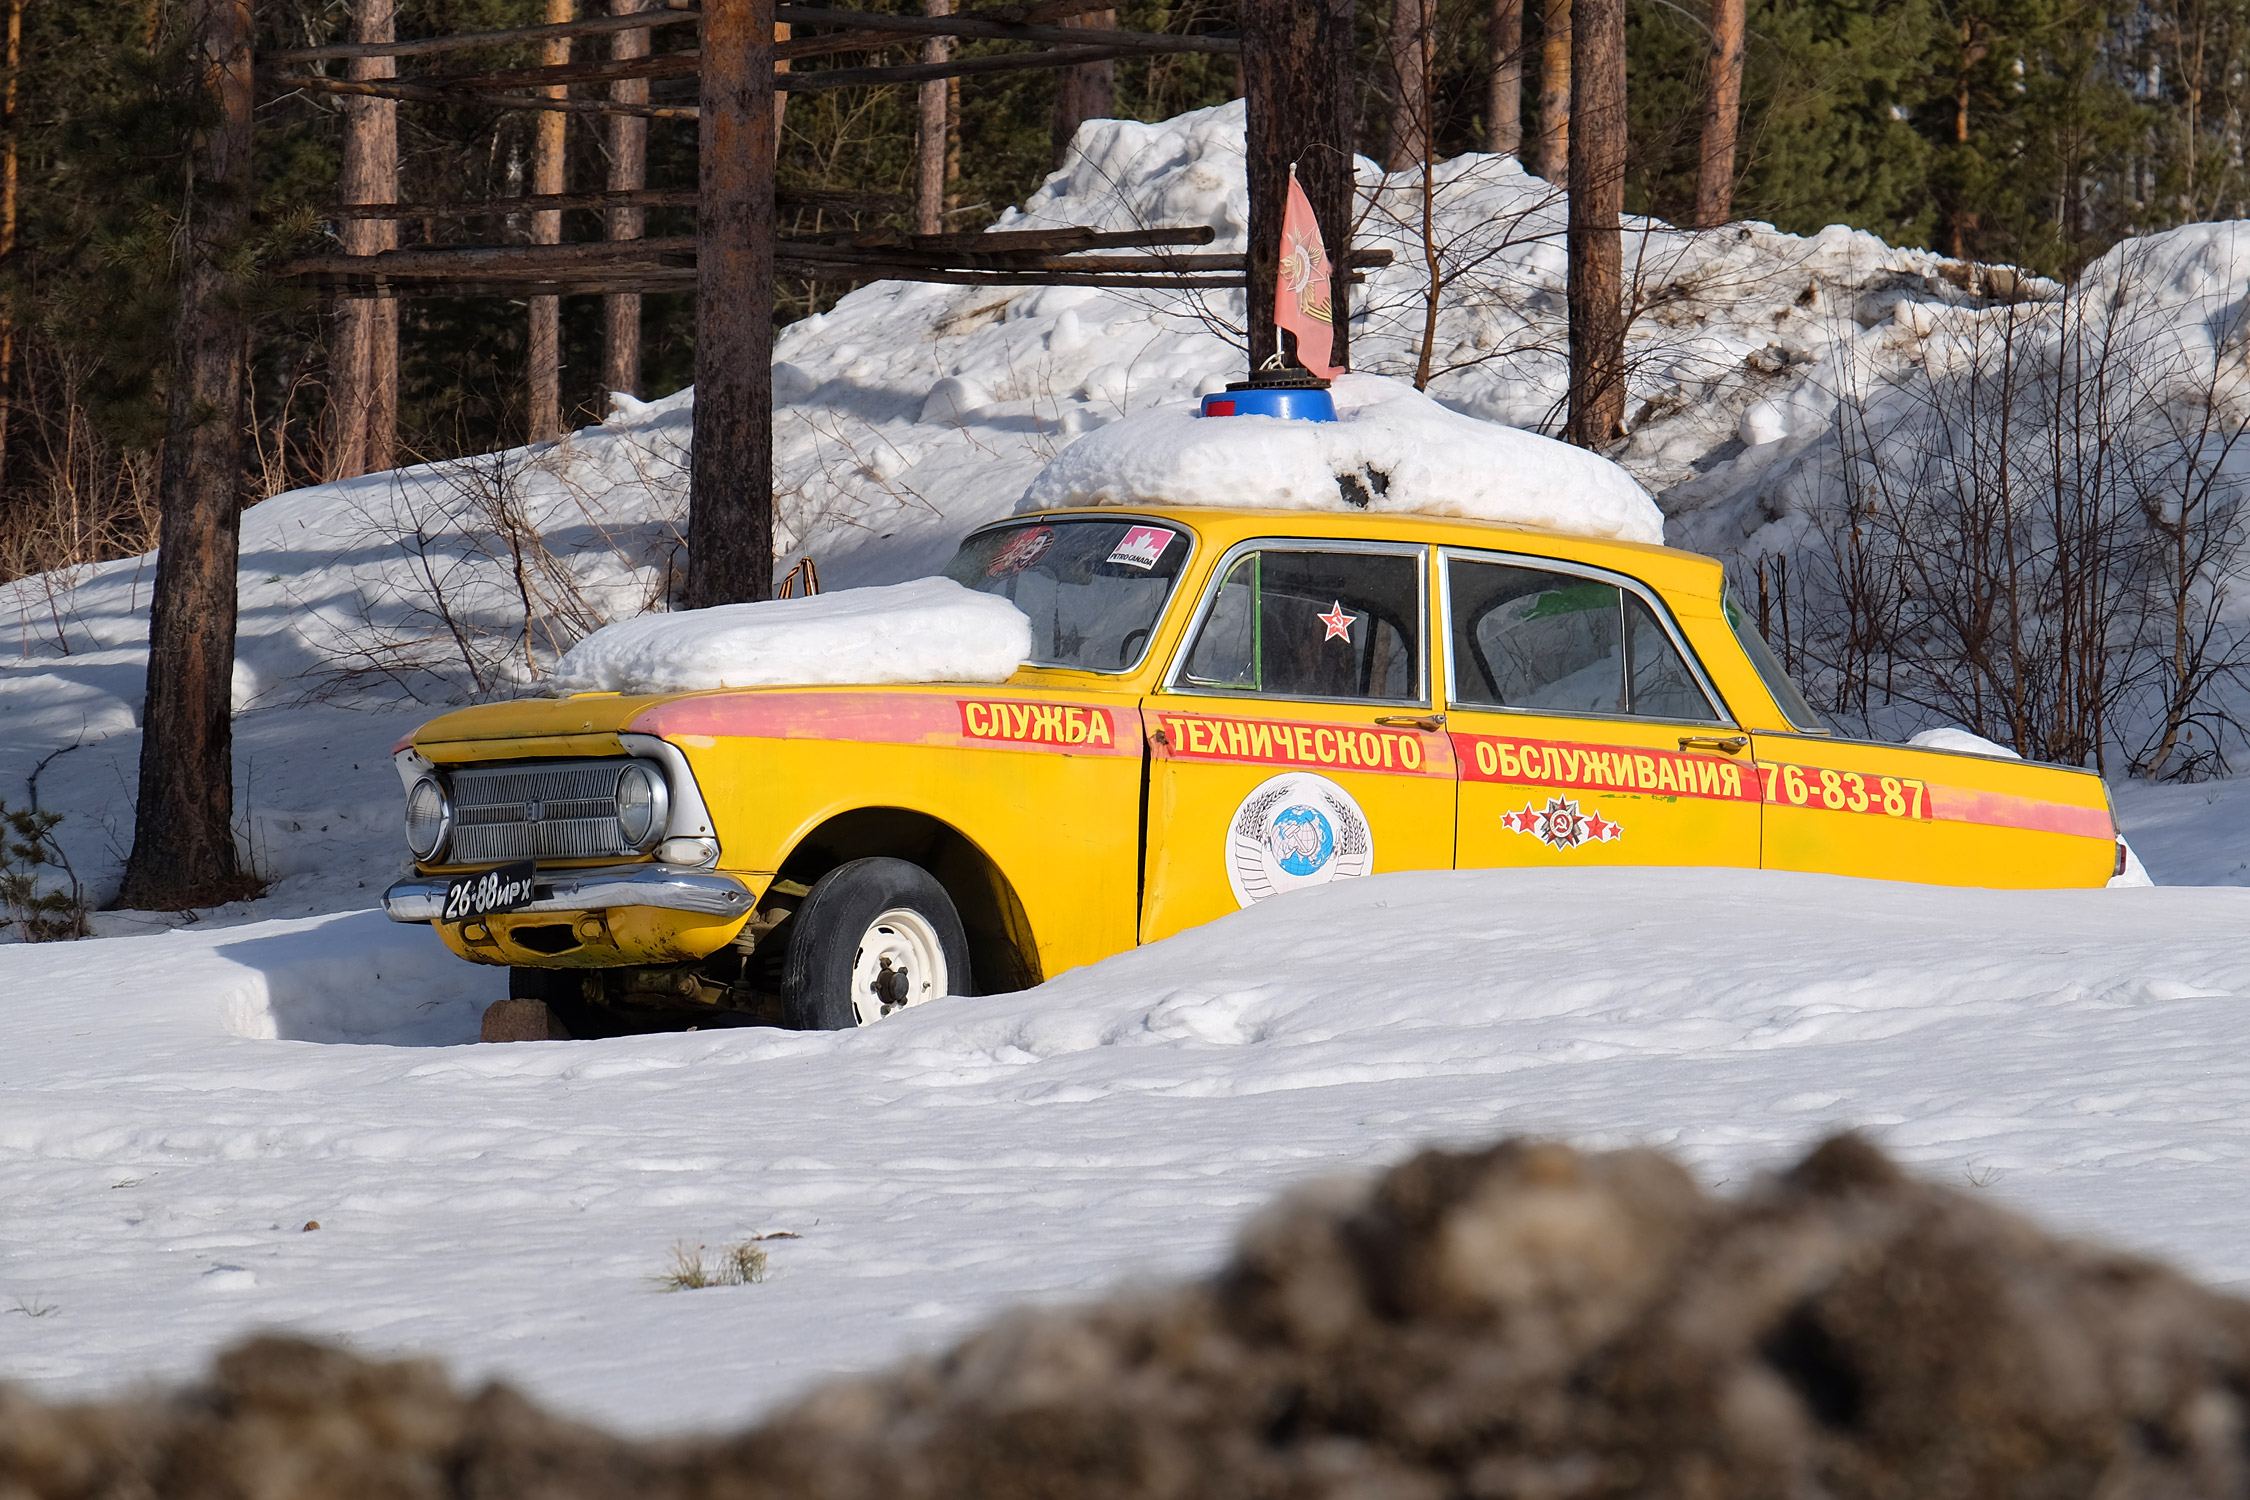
pixel 1309 624
pixel 1530 638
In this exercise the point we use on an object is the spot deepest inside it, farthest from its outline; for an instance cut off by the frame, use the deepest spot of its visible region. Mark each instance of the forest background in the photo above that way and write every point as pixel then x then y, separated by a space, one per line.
pixel 2027 132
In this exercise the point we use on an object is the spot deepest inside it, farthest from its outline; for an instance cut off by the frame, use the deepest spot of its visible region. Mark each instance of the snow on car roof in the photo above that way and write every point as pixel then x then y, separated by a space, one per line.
pixel 1391 450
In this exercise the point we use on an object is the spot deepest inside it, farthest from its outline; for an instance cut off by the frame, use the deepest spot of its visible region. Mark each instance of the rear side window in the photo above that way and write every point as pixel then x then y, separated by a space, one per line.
pixel 1308 624
pixel 1550 642
pixel 1792 702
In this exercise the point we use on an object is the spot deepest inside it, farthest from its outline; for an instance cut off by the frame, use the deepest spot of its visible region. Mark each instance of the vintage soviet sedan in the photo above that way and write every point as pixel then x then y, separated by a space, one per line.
pixel 1222 707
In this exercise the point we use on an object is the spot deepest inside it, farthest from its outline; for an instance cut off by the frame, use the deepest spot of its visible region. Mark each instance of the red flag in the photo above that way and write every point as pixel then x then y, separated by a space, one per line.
pixel 1300 301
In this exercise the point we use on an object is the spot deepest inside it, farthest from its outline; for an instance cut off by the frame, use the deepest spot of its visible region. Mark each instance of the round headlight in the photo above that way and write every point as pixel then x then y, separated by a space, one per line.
pixel 641 805
pixel 429 818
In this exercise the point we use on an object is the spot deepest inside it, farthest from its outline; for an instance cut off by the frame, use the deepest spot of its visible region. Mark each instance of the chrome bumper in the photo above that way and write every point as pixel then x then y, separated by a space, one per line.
pixel 420 898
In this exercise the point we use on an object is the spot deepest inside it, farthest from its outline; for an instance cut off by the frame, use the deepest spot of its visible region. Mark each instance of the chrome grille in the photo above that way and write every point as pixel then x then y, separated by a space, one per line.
pixel 566 810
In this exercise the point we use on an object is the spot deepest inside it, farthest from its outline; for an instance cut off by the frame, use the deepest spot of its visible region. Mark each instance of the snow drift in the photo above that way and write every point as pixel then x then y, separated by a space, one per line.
pixel 1391 449
pixel 930 630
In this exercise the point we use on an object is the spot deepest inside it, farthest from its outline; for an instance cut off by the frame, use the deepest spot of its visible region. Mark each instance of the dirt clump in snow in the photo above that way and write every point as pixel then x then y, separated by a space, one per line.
pixel 1526 1320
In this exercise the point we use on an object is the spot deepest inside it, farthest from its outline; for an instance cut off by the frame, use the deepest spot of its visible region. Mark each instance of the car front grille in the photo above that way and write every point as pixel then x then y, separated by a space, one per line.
pixel 564 810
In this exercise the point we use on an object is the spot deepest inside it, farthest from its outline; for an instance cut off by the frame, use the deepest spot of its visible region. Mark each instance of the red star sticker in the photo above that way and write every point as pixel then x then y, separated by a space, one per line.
pixel 1339 624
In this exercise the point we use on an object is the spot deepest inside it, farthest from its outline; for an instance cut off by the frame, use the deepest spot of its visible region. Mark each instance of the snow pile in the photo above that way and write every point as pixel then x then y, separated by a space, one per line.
pixel 930 630
pixel 1391 449
pixel 1954 737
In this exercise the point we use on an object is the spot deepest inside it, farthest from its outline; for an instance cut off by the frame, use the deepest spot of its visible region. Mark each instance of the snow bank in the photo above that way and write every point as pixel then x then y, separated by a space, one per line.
pixel 930 630
pixel 1391 449
pixel 1956 738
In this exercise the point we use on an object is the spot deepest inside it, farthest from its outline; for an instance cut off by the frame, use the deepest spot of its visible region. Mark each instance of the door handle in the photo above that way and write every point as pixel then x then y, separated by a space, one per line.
pixel 1412 721
pixel 1730 743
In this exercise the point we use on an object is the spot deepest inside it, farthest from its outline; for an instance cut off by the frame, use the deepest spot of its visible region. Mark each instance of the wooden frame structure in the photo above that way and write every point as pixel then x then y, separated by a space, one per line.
pixel 729 86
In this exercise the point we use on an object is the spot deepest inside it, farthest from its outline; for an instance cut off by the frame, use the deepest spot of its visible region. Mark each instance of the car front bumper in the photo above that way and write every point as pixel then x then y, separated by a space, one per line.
pixel 421 898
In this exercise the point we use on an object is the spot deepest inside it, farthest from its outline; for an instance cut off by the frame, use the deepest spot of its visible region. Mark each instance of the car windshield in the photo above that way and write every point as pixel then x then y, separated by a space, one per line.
pixel 1093 589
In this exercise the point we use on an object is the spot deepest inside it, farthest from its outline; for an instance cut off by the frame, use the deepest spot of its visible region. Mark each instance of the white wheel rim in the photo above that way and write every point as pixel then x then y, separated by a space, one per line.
pixel 900 942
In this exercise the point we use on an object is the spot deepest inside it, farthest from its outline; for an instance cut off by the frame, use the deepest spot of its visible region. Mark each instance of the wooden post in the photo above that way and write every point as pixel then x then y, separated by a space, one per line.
pixel 543 352
pixel 628 172
pixel 183 835
pixel 1554 91
pixel 1087 91
pixel 1297 81
pixel 1407 141
pixel 1596 241
pixel 730 497
pixel 933 128
pixel 1503 120
pixel 1722 112
pixel 363 360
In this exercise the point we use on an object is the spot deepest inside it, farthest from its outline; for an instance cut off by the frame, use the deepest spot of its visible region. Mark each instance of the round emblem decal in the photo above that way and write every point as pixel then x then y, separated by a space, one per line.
pixel 1296 830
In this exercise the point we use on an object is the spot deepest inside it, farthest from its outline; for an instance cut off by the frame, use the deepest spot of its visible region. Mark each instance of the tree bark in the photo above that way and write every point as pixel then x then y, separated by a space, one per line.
pixel 543 352
pixel 730 505
pixel 1298 84
pixel 628 172
pixel 1596 241
pixel 1407 141
pixel 1722 113
pixel 1087 91
pixel 363 362
pixel 1503 130
pixel 183 836
pixel 933 129
pixel 1554 91
pixel 8 176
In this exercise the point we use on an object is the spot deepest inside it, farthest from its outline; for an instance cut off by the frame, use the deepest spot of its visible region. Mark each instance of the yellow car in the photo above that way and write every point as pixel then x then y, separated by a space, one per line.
pixel 1222 707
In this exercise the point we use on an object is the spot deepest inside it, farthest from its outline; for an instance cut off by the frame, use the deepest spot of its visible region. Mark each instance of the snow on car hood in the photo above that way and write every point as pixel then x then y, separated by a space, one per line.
pixel 1391 445
pixel 929 630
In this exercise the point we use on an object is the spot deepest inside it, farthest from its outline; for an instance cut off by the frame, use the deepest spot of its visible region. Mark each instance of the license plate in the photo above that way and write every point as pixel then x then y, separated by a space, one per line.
pixel 508 888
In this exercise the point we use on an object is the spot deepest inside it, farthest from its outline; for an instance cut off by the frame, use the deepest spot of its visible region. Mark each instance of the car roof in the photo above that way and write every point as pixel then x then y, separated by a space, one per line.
pixel 1674 571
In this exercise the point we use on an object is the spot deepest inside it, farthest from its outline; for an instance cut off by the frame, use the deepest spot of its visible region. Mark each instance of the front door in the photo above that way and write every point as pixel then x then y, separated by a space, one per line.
pixel 1584 732
pixel 1294 742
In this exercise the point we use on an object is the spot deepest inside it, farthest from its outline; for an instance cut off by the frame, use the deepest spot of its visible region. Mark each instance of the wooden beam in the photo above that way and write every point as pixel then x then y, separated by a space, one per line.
pixel 416 93
pixel 464 41
pixel 960 67
pixel 664 65
pixel 730 482
pixel 973 25
pixel 642 198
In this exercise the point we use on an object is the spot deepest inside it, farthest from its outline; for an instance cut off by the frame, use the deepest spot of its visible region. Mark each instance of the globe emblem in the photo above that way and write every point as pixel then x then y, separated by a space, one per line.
pixel 1302 839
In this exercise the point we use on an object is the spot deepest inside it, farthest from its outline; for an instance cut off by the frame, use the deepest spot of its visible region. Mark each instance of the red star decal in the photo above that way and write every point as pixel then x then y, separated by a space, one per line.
pixel 1339 624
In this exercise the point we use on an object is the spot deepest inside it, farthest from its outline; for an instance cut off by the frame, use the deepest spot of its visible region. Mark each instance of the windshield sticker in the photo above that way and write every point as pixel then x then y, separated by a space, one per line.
pixel 1142 546
pixel 1339 624
pixel 1560 825
pixel 1022 551
pixel 1296 830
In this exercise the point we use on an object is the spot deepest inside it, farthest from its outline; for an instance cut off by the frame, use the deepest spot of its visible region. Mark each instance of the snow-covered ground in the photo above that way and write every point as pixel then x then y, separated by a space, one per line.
pixel 175 1108
pixel 175 1105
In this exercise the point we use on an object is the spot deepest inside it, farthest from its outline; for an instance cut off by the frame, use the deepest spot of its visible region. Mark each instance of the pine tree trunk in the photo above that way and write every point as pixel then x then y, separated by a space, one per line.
pixel 543 352
pixel 1554 91
pixel 933 129
pixel 1298 84
pixel 1085 92
pixel 183 836
pixel 1597 200
pixel 1407 141
pixel 363 360
pixel 628 171
pixel 1503 130
pixel 1722 112
pixel 730 505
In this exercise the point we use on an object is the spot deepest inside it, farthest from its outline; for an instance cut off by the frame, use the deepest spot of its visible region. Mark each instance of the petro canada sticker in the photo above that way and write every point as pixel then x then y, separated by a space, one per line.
pixel 1294 830
pixel 1142 546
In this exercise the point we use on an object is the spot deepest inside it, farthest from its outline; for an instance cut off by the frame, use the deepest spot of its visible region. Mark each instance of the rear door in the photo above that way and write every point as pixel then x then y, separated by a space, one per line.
pixel 1295 741
pixel 1585 731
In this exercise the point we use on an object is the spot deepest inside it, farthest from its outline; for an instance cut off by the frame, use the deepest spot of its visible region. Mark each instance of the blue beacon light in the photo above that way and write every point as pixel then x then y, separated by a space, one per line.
pixel 1299 397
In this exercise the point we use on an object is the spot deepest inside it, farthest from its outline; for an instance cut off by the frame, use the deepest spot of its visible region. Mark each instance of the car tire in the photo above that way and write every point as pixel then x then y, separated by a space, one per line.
pixel 874 936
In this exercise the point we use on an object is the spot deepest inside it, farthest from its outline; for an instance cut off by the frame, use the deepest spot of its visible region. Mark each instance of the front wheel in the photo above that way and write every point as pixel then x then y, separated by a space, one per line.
pixel 874 936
